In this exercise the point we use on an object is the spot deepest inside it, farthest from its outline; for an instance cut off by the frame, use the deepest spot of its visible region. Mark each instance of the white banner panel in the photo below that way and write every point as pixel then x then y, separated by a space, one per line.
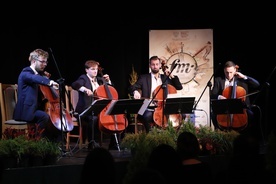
pixel 192 50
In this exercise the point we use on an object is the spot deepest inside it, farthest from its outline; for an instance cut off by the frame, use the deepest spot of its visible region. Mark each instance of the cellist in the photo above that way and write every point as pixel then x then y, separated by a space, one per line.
pixel 29 105
pixel 231 76
pixel 147 83
pixel 86 84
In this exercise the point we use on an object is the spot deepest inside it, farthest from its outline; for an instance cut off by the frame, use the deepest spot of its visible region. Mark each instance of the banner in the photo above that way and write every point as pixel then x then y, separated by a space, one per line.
pixel 192 51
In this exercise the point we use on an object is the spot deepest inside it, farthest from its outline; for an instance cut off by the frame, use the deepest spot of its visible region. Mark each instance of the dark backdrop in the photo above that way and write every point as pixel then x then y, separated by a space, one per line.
pixel 120 39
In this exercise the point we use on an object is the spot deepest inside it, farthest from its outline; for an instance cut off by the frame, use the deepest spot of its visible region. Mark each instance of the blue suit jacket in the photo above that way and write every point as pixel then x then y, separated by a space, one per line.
pixel 28 98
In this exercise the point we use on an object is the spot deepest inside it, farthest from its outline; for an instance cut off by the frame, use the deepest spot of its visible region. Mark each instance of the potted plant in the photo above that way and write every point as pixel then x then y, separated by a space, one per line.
pixel 43 152
pixel 133 78
pixel 9 153
pixel 212 142
pixel 23 150
pixel 28 149
pixel 51 152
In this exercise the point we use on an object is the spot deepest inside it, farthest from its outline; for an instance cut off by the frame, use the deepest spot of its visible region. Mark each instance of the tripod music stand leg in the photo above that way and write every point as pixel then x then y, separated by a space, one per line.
pixel 117 142
pixel 93 142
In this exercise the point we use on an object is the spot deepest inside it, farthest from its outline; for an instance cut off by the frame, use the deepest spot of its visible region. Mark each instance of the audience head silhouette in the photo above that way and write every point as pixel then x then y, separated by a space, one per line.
pixel 188 145
pixel 99 165
pixel 165 160
pixel 163 156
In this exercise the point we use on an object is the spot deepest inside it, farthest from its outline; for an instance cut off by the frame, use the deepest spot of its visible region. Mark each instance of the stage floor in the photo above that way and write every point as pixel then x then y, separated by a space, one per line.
pixel 77 156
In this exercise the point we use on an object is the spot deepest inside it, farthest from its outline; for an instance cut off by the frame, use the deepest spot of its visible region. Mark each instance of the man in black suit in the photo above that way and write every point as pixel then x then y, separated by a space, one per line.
pixel 225 84
pixel 86 85
pixel 147 83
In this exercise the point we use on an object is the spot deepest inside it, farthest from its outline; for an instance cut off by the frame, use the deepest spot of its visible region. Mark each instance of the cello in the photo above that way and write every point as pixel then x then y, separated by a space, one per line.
pixel 109 123
pixel 158 116
pixel 233 121
pixel 158 111
pixel 60 117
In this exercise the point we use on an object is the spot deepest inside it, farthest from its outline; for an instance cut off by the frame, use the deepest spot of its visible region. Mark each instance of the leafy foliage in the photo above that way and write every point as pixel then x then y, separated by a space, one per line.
pixel 17 144
pixel 212 142
pixel 133 76
pixel 9 147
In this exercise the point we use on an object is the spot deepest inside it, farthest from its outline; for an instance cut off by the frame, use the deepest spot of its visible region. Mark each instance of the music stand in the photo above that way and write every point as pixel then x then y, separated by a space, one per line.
pixel 228 106
pixel 124 106
pixel 95 108
pixel 179 105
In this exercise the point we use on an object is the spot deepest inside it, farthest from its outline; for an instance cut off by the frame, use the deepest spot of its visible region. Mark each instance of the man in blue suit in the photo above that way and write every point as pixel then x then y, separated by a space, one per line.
pixel 28 106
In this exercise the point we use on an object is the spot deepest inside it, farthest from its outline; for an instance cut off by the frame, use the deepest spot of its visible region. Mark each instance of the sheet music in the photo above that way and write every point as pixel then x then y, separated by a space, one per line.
pixel 100 104
pixel 174 95
pixel 144 106
pixel 110 107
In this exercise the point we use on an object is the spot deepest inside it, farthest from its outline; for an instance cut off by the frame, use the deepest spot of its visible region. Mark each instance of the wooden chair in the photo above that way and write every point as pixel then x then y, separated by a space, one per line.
pixel 71 99
pixel 8 100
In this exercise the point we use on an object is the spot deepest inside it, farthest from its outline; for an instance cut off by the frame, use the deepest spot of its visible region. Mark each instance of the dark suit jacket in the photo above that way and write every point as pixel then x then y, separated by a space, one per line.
pixel 84 101
pixel 28 94
pixel 143 84
pixel 219 83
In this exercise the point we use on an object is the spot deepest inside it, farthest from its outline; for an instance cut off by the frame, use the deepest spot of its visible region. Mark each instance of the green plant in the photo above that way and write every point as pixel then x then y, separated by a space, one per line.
pixel 141 144
pixel 51 148
pixel 212 141
pixel 43 147
pixel 23 145
pixel 27 145
pixel 9 147
pixel 133 76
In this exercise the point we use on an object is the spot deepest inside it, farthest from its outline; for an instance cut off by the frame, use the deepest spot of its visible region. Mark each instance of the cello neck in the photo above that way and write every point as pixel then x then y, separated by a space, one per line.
pixel 234 89
pixel 109 95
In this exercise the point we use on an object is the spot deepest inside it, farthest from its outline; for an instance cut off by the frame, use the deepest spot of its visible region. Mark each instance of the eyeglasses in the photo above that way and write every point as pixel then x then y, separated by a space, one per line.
pixel 43 62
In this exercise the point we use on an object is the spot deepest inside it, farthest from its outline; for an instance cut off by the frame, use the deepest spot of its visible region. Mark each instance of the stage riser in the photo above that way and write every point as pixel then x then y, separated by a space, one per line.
pixel 64 174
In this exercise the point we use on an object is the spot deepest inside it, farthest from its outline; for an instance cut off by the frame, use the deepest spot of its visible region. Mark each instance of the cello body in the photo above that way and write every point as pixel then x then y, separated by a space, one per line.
pixel 236 122
pixel 110 123
pixel 60 117
pixel 158 112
